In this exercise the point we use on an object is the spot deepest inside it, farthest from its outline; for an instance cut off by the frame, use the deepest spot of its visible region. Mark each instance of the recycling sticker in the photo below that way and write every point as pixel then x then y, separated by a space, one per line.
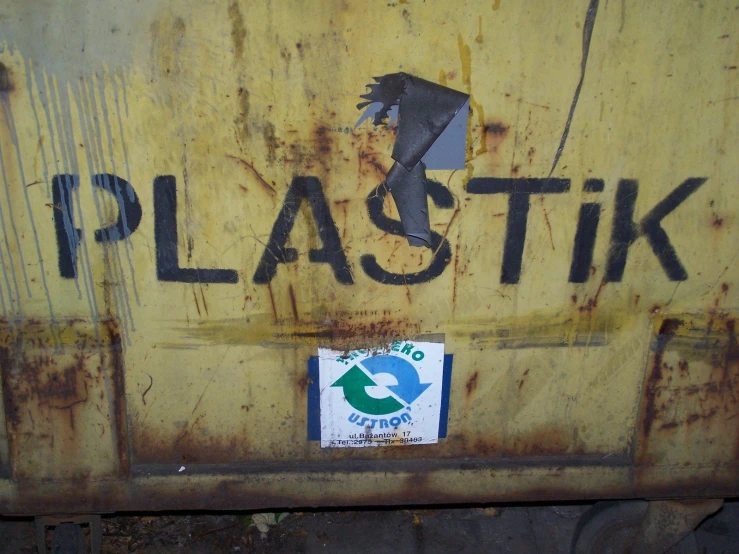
pixel 387 397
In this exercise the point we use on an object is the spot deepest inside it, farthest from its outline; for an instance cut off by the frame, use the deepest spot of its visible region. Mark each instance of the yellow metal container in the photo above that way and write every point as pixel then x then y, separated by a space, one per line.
pixel 188 213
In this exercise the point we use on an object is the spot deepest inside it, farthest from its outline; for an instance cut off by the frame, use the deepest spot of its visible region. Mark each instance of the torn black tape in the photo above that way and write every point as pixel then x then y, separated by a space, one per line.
pixel 425 110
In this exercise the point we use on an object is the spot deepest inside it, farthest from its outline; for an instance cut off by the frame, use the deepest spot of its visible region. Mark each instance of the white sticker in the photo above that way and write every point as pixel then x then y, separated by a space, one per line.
pixel 386 397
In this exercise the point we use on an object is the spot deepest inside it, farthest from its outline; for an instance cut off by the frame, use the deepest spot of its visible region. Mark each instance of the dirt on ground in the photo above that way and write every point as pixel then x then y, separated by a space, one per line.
pixel 500 529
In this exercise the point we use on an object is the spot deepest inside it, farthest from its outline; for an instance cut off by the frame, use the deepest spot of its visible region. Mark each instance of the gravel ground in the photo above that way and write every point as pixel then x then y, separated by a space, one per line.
pixel 511 529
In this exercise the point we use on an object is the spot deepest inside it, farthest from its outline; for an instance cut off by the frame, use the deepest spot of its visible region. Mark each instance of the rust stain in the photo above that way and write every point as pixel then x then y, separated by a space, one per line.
pixel 522 380
pixel 194 445
pixel 270 142
pixel 118 380
pixel 543 441
pixel 665 334
pixel 343 204
pixel 591 303
pixel 421 485
pixel 454 275
pixel 690 393
pixel 303 383
pixel 471 384
pixel 546 220
pixel 683 367
pixel 323 140
pixel 202 296
pixel 197 305
pixel 241 121
pixel 238 29
pixel 293 302
pixel 272 300
pixel 269 188
pixel 48 392
pixel 351 333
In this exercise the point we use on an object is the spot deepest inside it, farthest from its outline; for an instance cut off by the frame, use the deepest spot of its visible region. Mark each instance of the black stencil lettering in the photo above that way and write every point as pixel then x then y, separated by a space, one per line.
pixel 594 185
pixel 582 252
pixel 442 198
pixel 518 190
pixel 67 235
pixel 129 208
pixel 626 231
pixel 165 238
pixel 332 252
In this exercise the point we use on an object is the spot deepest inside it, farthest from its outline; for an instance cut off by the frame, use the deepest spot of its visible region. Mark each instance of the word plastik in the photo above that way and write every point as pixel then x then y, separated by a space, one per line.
pixel 625 230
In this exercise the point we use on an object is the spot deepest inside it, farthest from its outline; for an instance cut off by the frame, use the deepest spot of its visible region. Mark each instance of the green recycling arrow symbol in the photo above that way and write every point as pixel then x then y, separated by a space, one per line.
pixel 354 382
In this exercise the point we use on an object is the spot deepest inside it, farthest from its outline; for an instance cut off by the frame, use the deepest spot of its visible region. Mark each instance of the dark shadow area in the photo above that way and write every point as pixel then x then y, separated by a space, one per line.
pixel 501 528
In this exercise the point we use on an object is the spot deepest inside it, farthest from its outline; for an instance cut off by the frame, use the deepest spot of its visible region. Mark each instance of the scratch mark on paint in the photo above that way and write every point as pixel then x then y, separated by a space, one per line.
pixel 269 188
pixel 195 297
pixel 151 384
pixel 202 295
pixel 272 300
pixel 293 302
pixel 587 33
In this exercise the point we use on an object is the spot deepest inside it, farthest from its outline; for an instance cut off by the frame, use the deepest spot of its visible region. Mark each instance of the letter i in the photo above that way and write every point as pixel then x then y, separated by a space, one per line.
pixel 587 228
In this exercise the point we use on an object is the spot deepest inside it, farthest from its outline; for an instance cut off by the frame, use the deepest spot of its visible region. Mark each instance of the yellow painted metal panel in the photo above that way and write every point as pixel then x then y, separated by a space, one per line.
pixel 234 100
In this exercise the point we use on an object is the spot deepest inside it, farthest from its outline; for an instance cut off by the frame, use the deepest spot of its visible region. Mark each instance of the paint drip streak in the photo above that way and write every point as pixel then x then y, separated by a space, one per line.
pixel 84 261
pixel 44 162
pixel 62 114
pixel 7 243
pixel 43 98
pixel 10 122
pixel 119 277
pixel 118 194
pixel 92 163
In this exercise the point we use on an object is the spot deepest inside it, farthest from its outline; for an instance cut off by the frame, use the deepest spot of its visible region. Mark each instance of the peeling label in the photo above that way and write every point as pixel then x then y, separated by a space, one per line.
pixel 427 114
pixel 395 396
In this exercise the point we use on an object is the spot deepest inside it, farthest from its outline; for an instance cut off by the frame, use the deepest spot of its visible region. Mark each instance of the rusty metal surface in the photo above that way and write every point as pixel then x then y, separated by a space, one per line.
pixel 64 403
pixel 583 277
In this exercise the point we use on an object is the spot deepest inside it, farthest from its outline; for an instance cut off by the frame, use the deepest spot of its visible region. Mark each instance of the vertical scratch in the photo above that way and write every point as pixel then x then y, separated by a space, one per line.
pixel 197 305
pixel 587 33
pixel 187 231
pixel 202 295
pixel 272 300
pixel 293 302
